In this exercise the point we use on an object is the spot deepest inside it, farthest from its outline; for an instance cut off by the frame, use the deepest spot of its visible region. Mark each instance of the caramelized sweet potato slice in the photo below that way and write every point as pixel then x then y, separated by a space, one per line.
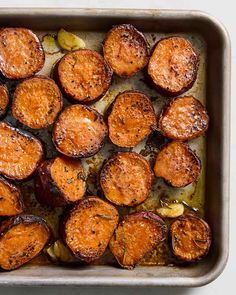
pixel 21 239
pixel 11 202
pixel 4 99
pixel 20 152
pixel 183 118
pixel 21 53
pixel 173 65
pixel 60 181
pixel 190 238
pixel 83 75
pixel 131 118
pixel 88 226
pixel 37 102
pixel 137 235
pixel 126 179
pixel 126 50
pixel 79 131
pixel 177 164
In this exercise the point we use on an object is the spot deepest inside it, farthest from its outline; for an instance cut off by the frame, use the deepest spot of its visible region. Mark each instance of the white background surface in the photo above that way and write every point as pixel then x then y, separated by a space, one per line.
pixel 225 12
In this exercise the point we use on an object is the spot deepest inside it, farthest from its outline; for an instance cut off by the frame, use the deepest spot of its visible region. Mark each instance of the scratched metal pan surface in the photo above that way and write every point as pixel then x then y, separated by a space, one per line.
pixel 210 195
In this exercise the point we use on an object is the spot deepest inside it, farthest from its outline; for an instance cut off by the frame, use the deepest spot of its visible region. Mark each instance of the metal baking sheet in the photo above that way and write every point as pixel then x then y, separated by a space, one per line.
pixel 209 194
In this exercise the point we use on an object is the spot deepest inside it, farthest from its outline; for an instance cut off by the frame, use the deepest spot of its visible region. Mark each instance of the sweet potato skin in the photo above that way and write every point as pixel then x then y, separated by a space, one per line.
pixel 10 206
pixel 177 164
pixel 94 228
pixel 20 152
pixel 184 118
pixel 130 118
pixel 177 71
pixel 79 132
pixel 20 59
pixel 10 258
pixel 94 85
pixel 126 50
pixel 137 235
pixel 190 238
pixel 126 179
pixel 4 99
pixel 48 192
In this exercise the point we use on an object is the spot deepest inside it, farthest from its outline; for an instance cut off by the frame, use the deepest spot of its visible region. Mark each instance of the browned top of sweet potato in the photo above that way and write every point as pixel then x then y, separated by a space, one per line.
pixel 126 50
pixel 20 153
pixel 131 118
pixel 21 53
pixel 126 179
pixel 190 237
pixel 183 118
pixel 84 75
pixel 4 99
pixel 37 102
pixel 173 65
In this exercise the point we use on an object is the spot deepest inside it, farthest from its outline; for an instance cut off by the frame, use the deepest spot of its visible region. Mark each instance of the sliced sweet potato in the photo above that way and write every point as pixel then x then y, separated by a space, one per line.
pixel 131 118
pixel 21 239
pixel 79 131
pixel 60 181
pixel 177 164
pixel 11 202
pixel 190 238
pixel 126 50
pixel 20 152
pixel 37 102
pixel 183 118
pixel 126 179
pixel 137 235
pixel 21 53
pixel 84 75
pixel 173 65
pixel 4 99
pixel 88 226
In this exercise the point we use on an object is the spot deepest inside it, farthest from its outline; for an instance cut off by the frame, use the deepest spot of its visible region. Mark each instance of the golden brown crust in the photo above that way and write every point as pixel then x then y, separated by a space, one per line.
pixel 21 53
pixel 4 99
pixel 20 152
pixel 137 235
pixel 190 238
pixel 79 131
pixel 83 75
pixel 37 102
pixel 88 227
pixel 131 118
pixel 183 118
pixel 173 65
pixel 126 179
pixel 177 164
pixel 11 201
pixel 126 50
pixel 21 239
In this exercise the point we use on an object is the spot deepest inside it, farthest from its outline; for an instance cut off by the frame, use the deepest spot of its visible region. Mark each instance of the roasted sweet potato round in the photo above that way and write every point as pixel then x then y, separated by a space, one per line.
pixel 173 65
pixel 60 181
pixel 190 238
pixel 183 118
pixel 20 152
pixel 21 53
pixel 137 235
pixel 37 102
pixel 11 202
pixel 4 99
pixel 79 131
pixel 126 50
pixel 126 179
pixel 177 164
pixel 83 75
pixel 87 228
pixel 130 118
pixel 21 239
